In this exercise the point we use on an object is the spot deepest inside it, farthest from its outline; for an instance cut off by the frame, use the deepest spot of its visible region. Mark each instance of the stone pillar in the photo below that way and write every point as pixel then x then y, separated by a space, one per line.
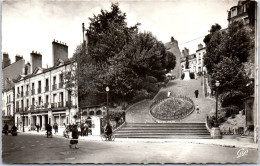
pixel 43 122
pixel 37 120
pixel 50 119
pixel 59 121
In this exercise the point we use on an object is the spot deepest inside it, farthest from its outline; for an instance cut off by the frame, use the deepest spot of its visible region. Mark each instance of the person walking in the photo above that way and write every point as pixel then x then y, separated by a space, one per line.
pixel 5 129
pixel 197 109
pixel 75 137
pixel 196 93
pixel 37 127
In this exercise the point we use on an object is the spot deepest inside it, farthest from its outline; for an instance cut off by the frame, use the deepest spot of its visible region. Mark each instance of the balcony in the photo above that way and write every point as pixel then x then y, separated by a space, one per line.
pixel 32 107
pixel 54 86
pixel 21 109
pixel 60 104
pixel 61 85
pixel 53 105
pixel 27 93
pixel 46 105
pixel 46 88
pixel 39 90
pixel 33 91
pixel 26 108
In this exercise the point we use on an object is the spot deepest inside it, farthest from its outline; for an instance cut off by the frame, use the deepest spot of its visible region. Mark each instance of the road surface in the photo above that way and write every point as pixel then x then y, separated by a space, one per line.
pixel 31 148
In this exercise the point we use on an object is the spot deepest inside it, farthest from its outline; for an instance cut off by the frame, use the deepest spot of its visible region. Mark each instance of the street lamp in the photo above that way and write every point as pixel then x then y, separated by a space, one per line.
pixel 107 90
pixel 217 85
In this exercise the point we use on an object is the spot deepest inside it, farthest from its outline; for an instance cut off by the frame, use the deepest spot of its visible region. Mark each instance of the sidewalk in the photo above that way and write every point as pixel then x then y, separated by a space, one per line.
pixel 218 142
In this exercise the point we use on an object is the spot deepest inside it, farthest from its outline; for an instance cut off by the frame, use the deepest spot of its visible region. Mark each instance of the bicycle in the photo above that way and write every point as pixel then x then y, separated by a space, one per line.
pixel 48 134
pixel 109 137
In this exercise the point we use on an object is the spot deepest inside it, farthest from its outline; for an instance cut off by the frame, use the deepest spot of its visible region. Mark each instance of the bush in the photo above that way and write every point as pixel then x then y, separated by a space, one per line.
pixel 140 95
pixel 235 98
pixel 192 76
pixel 182 76
pixel 230 111
pixel 151 79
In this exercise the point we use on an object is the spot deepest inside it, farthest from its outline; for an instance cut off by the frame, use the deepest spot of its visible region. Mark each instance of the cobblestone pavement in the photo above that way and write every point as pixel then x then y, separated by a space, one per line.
pixel 32 148
pixel 139 113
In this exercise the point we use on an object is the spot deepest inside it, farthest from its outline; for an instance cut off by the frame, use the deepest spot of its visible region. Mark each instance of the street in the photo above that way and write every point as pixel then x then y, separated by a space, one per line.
pixel 32 148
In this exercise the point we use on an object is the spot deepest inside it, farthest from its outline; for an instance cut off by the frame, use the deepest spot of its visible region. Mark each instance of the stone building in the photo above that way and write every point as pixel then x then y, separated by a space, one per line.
pixel 196 64
pixel 40 93
pixel 245 11
pixel 173 47
pixel 9 73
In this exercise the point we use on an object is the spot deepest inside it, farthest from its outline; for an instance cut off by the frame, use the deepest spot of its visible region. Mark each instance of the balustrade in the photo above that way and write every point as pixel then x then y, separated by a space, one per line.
pixel 46 88
pixel 61 85
pixel 54 86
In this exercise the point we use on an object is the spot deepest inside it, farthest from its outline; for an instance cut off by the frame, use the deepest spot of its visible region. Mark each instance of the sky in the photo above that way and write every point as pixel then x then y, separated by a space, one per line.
pixel 32 25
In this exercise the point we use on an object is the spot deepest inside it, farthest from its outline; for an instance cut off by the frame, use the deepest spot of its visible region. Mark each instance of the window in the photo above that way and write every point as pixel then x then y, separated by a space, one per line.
pixel 233 12
pixel 54 80
pixel 27 102
pixel 61 77
pixel 40 100
pixel 47 99
pixel 47 82
pixel 39 84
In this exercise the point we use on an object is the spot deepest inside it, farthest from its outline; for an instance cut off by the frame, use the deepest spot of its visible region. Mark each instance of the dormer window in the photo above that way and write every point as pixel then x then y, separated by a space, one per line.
pixel 234 12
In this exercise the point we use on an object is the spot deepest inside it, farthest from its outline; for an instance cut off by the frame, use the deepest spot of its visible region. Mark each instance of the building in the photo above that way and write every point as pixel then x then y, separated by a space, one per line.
pixel 40 93
pixel 196 64
pixel 9 73
pixel 245 11
pixel 173 47
pixel 200 56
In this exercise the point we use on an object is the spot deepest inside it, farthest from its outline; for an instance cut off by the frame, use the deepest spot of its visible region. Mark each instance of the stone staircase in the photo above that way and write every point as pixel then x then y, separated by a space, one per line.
pixel 164 130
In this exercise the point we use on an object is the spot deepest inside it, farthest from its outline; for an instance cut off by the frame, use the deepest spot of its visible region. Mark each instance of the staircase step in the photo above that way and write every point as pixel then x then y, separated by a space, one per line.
pixel 168 137
pixel 163 130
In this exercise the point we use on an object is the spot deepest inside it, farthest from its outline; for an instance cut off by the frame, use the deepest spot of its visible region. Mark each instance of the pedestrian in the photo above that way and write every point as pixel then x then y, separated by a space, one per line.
pixel 5 129
pixel 75 137
pixel 197 109
pixel 56 128
pixel 85 133
pixel 196 93
pixel 81 129
pixel 37 127
pixel 49 129
pixel 169 94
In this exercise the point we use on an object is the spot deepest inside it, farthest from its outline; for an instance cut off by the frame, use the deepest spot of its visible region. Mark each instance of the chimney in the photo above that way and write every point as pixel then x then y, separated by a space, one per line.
pixel 6 60
pixel 36 60
pixel 200 46
pixel 18 57
pixel 185 52
pixel 59 51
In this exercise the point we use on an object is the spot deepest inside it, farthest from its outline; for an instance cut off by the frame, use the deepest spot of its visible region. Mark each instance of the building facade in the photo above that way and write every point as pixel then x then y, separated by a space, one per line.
pixel 40 94
pixel 196 64
pixel 245 11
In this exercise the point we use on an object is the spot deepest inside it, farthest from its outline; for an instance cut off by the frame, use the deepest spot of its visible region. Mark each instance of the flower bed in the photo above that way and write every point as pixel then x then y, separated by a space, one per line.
pixel 172 108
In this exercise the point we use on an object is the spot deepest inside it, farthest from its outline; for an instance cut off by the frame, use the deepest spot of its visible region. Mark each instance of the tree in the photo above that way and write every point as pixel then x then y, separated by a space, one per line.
pixel 227 52
pixel 120 57
pixel 213 29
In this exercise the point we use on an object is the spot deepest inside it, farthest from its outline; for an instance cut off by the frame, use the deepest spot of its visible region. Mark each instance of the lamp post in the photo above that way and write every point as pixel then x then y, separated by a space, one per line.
pixel 217 85
pixel 215 130
pixel 107 90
